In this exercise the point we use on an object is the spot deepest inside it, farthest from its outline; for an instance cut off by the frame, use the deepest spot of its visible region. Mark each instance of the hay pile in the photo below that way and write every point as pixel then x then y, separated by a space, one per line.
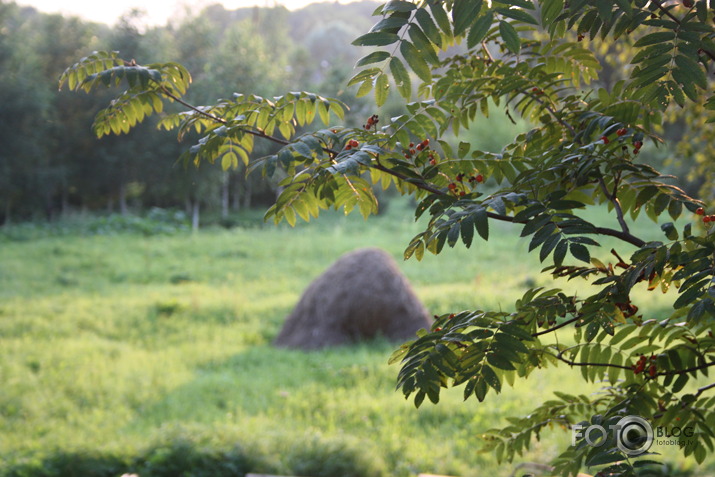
pixel 363 295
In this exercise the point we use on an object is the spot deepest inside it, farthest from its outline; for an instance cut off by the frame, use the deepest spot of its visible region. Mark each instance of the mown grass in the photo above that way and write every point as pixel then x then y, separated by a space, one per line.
pixel 151 354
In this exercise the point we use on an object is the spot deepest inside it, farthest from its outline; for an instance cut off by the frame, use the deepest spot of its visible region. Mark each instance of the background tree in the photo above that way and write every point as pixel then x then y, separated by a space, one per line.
pixel 582 151
pixel 53 166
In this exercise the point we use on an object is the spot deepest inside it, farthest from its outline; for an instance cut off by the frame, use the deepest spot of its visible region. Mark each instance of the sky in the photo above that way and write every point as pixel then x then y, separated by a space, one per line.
pixel 158 11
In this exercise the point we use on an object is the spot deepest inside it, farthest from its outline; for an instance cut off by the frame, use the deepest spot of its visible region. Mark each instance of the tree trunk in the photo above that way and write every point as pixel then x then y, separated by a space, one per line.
pixel 65 202
pixel 247 196
pixel 236 199
pixel 8 210
pixel 195 217
pixel 225 181
pixel 123 209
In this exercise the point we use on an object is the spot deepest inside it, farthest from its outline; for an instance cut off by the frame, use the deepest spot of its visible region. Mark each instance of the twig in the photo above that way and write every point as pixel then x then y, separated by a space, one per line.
pixel 703 389
pixel 688 370
pixel 560 357
pixel 616 203
pixel 561 325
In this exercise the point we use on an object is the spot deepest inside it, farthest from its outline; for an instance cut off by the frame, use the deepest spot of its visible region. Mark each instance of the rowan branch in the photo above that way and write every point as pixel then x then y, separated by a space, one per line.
pixel 625 236
pixel 677 20
pixel 687 370
pixel 561 325
pixel 560 357
pixel 616 204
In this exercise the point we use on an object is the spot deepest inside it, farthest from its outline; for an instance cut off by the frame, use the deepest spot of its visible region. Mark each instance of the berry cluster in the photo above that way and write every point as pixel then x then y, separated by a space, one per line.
pixel 640 366
pixel 620 133
pixel 706 218
pixel 352 144
pixel 371 121
pixel 424 145
pixel 456 190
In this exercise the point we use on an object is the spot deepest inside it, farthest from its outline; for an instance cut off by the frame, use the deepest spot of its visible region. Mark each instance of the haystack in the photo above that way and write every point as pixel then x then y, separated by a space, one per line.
pixel 363 295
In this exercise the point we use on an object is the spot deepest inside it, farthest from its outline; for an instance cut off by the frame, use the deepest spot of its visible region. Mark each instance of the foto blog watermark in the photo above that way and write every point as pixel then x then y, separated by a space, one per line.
pixel 633 435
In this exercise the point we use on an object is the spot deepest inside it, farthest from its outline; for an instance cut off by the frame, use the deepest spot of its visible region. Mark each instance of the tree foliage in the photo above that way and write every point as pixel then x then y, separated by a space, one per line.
pixel 459 59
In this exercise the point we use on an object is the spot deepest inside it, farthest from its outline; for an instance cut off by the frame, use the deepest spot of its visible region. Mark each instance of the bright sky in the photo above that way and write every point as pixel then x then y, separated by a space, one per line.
pixel 158 11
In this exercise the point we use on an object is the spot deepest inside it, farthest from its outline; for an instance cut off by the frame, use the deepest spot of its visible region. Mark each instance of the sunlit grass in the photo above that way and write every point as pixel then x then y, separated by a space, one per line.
pixel 120 344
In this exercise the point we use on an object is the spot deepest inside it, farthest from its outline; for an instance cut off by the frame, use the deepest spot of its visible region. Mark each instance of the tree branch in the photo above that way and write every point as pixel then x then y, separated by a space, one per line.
pixel 616 203
pixel 560 357
pixel 561 325
pixel 688 370
pixel 703 389
pixel 210 116
pixel 625 236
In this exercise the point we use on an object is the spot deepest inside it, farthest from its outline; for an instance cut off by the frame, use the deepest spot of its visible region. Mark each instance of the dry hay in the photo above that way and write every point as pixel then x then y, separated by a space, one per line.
pixel 363 295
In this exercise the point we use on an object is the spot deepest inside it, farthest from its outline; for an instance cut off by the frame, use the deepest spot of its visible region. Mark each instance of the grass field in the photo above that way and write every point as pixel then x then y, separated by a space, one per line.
pixel 151 354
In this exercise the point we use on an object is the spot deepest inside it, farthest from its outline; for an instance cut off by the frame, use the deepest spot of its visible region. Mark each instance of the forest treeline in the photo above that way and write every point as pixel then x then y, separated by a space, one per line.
pixel 51 164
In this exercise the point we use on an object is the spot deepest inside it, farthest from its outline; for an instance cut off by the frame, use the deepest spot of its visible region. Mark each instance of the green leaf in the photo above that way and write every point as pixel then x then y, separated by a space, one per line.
pixel 518 15
pixel 670 231
pixel 463 14
pixel 510 36
pixel 377 38
pixel 425 21
pixel 440 16
pixel 580 252
pixel 481 222
pixel 467 229
pixel 398 6
pixel 550 9
pixel 374 57
pixel 479 29
pixel 499 361
pixel 491 378
pixel 691 70
pixel 655 38
pixel 382 89
pixel 416 61
pixel 401 76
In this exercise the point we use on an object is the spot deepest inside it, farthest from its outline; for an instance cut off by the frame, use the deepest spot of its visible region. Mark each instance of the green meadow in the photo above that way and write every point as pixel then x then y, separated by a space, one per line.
pixel 151 353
